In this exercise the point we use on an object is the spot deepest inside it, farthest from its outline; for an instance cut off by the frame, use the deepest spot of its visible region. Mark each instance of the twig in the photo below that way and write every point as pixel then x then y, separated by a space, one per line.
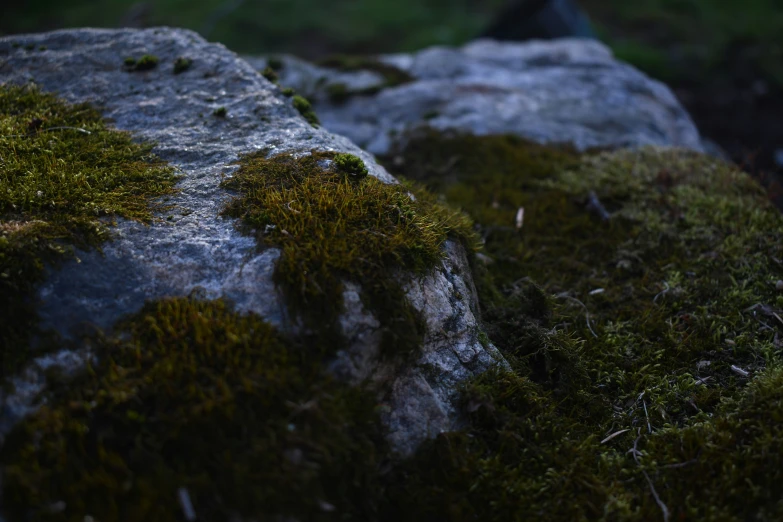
pixel 739 371
pixel 679 464
pixel 594 204
pixel 186 504
pixel 665 289
pixel 615 434
pixel 587 312
pixel 635 452
pixel 83 131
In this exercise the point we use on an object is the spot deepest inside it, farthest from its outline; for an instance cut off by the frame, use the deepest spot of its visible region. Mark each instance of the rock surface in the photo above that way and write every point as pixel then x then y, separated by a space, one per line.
pixel 569 90
pixel 197 249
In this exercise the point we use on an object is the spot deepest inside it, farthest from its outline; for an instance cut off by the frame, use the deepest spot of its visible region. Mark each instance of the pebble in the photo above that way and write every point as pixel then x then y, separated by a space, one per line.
pixel 779 285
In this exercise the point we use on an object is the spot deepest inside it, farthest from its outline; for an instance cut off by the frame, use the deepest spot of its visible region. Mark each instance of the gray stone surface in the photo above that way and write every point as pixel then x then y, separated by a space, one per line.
pixel 569 90
pixel 198 249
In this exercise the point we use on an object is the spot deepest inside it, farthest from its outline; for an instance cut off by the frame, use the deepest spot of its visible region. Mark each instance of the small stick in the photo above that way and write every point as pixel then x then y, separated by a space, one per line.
pixel 739 371
pixel 635 452
pixel 587 312
pixel 615 434
pixel 186 504
pixel 594 204
pixel 83 131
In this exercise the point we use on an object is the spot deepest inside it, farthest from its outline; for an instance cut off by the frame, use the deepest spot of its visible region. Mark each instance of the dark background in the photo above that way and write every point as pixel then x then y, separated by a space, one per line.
pixel 723 58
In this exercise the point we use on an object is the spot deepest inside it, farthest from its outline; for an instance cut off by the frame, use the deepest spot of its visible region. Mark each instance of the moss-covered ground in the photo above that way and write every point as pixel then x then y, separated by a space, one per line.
pixel 64 176
pixel 637 305
pixel 635 297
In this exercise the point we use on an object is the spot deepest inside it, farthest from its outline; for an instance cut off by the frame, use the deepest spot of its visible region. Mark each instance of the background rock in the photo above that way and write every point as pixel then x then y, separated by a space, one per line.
pixel 569 90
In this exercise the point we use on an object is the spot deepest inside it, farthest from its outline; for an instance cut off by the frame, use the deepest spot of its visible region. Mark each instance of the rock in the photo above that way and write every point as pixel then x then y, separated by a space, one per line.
pixel 569 90
pixel 198 250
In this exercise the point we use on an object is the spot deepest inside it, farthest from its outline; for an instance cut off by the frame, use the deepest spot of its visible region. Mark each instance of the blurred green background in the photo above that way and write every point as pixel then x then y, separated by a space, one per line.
pixel 722 58
pixel 667 38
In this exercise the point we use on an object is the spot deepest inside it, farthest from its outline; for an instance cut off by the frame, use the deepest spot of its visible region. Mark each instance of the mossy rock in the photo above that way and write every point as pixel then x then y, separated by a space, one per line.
pixel 65 176
pixel 634 298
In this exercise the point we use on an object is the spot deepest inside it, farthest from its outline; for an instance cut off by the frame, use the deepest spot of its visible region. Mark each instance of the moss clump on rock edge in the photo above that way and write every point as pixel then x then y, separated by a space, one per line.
pixel 334 224
pixel 656 331
pixel 64 176
pixel 304 107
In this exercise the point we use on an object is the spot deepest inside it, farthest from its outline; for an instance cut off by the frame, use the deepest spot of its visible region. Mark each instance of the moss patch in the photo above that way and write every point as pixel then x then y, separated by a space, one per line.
pixel 63 176
pixel 334 224
pixel 144 63
pixel 182 64
pixel 305 109
pixel 637 306
pixel 191 395
pixel 339 92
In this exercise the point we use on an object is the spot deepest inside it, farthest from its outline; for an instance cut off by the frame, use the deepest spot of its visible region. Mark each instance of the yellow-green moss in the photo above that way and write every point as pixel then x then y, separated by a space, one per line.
pixel 270 74
pixel 144 63
pixel 335 224
pixel 63 177
pixel 392 76
pixel 305 109
pixel 182 64
pixel 639 288
pixel 193 395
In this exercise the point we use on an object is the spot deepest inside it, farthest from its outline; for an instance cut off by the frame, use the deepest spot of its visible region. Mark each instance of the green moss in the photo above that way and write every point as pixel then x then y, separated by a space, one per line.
pixel 144 63
pixel 190 394
pixel 639 288
pixel 182 64
pixel 333 223
pixel 339 92
pixel 63 177
pixel 220 112
pixel 270 75
pixel 351 165
pixel 392 75
pixel 288 91
pixel 306 110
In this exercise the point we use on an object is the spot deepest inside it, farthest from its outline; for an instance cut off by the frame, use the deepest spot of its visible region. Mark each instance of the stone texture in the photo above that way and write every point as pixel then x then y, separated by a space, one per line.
pixel 200 250
pixel 569 90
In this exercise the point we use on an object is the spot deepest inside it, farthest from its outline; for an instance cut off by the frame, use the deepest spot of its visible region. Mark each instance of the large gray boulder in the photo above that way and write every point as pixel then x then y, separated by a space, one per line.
pixel 561 91
pixel 200 249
